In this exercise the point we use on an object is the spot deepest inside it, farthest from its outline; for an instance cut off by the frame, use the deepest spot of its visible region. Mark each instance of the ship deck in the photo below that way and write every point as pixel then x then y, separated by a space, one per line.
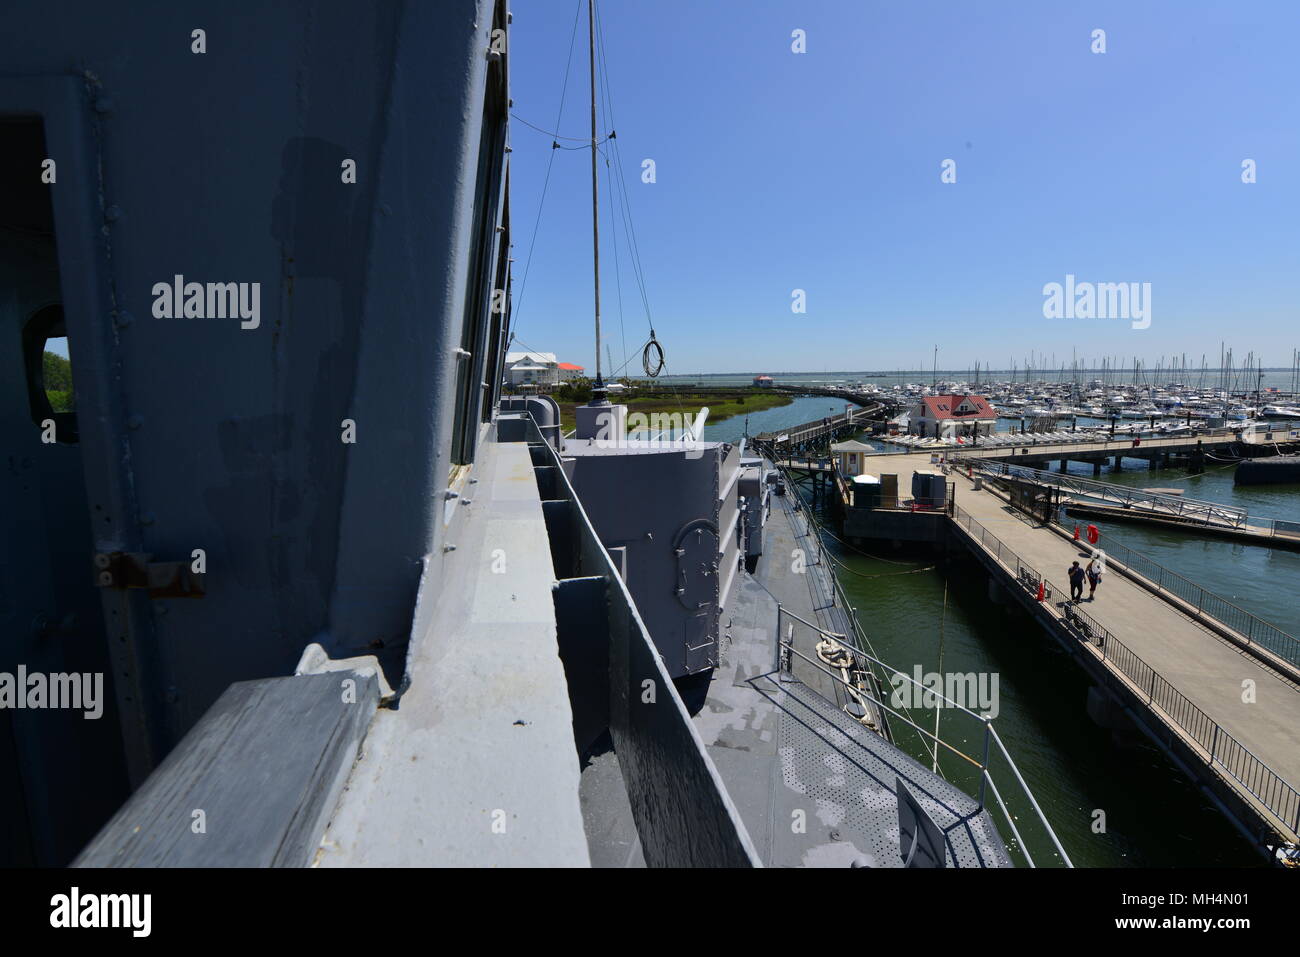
pixel 813 786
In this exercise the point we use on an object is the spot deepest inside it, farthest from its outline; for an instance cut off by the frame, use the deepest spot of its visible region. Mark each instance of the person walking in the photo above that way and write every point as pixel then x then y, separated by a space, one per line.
pixel 1094 578
pixel 1076 582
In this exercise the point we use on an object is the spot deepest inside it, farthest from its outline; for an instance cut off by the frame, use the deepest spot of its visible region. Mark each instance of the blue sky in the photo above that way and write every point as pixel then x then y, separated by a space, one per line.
pixel 820 171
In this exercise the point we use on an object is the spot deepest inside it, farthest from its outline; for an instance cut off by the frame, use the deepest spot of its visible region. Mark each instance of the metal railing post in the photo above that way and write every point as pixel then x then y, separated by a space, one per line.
pixel 984 772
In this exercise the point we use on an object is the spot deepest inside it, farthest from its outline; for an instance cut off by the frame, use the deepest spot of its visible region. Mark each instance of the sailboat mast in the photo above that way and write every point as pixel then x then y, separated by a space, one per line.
pixel 599 391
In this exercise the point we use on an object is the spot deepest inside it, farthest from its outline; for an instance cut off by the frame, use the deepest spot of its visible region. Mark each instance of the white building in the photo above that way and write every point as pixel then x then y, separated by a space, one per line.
pixel 951 416
pixel 532 369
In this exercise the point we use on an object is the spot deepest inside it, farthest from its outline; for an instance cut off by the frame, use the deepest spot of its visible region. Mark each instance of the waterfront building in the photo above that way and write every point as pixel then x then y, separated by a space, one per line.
pixel 951 416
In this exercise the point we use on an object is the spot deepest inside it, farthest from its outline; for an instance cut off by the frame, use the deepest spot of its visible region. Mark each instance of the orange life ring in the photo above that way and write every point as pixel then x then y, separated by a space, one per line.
pixel 1093 534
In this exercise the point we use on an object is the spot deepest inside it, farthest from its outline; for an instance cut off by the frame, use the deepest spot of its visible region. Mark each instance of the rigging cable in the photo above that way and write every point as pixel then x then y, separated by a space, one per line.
pixel 938 705
pixel 532 244
pixel 616 152
pixel 554 136
pixel 618 271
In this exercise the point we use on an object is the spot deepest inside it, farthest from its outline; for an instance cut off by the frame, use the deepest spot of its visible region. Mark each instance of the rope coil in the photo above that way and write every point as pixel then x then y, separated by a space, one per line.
pixel 652 362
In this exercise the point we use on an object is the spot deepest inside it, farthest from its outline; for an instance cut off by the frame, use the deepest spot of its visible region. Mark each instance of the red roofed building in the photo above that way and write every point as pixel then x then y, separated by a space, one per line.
pixel 569 371
pixel 951 416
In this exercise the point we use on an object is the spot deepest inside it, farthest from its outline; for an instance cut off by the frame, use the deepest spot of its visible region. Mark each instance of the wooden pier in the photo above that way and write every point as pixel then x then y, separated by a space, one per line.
pixel 819 433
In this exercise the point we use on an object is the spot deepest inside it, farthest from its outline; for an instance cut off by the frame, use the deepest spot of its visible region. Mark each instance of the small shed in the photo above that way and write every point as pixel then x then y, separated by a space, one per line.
pixel 851 457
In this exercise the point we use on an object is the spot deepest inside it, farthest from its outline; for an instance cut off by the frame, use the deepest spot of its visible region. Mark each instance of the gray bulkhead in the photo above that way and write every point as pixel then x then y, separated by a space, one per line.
pixel 672 517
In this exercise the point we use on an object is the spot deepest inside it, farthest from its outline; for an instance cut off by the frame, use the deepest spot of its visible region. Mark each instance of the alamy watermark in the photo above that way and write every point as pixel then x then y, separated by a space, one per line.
pixel 670 431
pixel 974 691
pixel 1102 300
pixel 127 911
pixel 179 299
pixel 35 690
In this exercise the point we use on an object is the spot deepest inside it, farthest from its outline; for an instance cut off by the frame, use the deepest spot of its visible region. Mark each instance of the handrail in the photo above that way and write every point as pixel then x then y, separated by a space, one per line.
pixel 817 427
pixel 1273 792
pixel 990 733
pixel 861 643
pixel 938 694
pixel 1255 630
pixel 682 810
pixel 1125 495
pixel 790 649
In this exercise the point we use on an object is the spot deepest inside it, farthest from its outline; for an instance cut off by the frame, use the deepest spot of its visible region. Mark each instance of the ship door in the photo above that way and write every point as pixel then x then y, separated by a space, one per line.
pixel 697 591
pixel 701 641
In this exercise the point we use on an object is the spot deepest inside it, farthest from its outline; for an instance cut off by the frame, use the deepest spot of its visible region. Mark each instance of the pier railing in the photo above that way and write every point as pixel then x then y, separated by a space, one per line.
pixel 1125 496
pixel 1255 630
pixel 816 429
pixel 918 691
pixel 1177 507
pixel 1221 748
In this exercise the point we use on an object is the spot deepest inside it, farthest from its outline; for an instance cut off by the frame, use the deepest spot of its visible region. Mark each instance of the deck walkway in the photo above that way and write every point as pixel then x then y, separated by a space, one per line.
pixel 787 747
pixel 1202 665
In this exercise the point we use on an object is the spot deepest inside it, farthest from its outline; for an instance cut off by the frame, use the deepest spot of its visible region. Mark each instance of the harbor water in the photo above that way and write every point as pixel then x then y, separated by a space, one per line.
pixel 1112 803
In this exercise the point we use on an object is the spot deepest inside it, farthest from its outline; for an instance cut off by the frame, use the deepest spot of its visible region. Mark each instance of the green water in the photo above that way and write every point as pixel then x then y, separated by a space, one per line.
pixel 1153 816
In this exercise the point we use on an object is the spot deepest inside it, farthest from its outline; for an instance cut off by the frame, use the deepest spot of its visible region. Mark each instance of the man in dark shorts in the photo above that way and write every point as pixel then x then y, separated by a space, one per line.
pixel 1076 582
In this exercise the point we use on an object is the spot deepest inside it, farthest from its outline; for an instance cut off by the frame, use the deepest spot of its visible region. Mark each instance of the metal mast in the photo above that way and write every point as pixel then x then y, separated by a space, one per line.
pixel 598 392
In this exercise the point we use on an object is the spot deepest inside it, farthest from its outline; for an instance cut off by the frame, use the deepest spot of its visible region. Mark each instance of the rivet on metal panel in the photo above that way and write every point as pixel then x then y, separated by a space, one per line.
pixel 103 104
pixel 449 548
pixel 113 213
pixel 122 318
pixel 135 421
